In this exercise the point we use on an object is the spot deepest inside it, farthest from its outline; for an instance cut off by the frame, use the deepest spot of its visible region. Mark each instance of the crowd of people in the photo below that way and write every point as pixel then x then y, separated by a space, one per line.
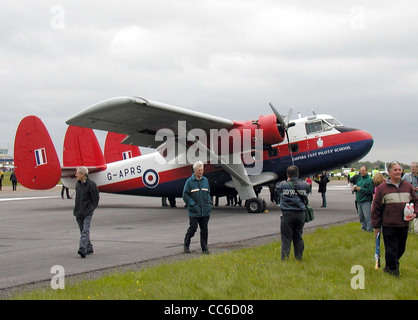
pixel 380 203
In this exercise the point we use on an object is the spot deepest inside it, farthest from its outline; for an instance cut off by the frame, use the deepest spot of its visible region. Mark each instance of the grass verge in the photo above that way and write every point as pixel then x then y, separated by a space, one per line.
pixel 258 273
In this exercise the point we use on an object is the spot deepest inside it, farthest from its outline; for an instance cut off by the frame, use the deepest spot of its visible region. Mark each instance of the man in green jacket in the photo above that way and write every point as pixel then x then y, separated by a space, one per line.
pixel 364 196
pixel 196 195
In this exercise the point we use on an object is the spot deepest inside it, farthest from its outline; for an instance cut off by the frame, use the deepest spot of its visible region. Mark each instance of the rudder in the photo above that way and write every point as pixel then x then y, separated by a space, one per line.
pixel 81 148
pixel 115 151
pixel 36 161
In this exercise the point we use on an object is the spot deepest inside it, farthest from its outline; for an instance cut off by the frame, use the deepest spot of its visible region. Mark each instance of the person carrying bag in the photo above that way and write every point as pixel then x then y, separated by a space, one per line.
pixel 293 209
pixel 309 214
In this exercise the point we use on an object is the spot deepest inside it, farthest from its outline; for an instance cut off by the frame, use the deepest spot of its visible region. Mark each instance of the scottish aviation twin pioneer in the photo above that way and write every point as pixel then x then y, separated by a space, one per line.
pixel 240 155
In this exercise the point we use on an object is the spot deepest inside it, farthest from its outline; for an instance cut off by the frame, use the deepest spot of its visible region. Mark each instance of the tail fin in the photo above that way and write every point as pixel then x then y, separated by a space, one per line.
pixel 81 148
pixel 115 151
pixel 36 161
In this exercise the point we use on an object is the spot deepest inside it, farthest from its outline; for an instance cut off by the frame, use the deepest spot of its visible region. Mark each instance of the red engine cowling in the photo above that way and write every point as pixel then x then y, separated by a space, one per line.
pixel 245 136
pixel 270 132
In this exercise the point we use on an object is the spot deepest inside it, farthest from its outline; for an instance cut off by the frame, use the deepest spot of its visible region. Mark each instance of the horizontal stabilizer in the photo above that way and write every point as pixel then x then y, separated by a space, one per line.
pixel 69 172
pixel 36 161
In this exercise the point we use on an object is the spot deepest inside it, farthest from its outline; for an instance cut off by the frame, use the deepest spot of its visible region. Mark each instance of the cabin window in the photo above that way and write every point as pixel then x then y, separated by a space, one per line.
pixel 272 152
pixel 294 147
pixel 317 127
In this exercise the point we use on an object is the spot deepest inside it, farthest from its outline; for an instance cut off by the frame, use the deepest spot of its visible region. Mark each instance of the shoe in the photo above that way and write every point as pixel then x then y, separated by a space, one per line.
pixel 82 253
pixel 89 251
pixel 393 273
pixel 205 251
pixel 186 249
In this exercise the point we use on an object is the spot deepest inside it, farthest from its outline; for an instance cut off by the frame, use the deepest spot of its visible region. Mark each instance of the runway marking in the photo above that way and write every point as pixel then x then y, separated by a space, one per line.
pixel 28 198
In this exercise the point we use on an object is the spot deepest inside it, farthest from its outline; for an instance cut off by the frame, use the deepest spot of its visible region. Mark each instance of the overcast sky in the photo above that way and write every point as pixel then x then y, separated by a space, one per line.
pixel 356 60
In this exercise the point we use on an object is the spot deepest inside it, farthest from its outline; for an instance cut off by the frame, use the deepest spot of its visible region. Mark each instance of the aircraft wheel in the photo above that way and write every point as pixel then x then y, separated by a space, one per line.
pixel 254 205
pixel 264 205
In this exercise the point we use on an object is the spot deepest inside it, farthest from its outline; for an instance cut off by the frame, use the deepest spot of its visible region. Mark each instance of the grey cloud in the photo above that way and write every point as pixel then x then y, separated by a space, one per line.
pixel 226 58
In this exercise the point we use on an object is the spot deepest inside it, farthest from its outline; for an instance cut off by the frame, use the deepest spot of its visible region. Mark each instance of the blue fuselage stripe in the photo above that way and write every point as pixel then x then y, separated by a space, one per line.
pixel 309 163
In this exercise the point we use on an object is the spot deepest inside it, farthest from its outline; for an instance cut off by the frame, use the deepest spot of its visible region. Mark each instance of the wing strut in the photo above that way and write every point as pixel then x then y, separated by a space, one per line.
pixel 240 177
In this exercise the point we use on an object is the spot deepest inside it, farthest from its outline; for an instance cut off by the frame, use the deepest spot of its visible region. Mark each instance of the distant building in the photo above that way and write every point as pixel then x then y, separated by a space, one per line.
pixel 6 160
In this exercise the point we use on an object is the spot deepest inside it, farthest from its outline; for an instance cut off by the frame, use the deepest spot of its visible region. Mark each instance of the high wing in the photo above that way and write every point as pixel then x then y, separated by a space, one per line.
pixel 140 119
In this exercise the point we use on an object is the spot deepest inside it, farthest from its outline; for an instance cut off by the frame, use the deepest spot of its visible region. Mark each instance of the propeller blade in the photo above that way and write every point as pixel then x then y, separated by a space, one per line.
pixel 278 116
pixel 284 126
pixel 289 115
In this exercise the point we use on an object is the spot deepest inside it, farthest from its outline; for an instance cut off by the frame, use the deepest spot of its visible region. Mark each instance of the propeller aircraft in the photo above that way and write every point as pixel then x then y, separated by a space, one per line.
pixel 239 155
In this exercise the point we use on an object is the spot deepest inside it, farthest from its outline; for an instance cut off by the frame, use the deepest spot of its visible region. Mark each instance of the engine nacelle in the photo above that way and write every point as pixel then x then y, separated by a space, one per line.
pixel 271 134
pixel 244 136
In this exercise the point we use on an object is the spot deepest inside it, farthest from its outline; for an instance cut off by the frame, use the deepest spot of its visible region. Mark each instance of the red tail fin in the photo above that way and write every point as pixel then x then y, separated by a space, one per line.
pixel 81 148
pixel 36 161
pixel 115 151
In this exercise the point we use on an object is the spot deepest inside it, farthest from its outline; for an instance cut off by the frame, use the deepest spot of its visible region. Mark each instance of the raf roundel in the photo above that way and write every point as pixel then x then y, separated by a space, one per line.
pixel 150 178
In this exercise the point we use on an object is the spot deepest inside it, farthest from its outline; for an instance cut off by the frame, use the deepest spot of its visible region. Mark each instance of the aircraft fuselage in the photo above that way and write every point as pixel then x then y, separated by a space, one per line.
pixel 317 143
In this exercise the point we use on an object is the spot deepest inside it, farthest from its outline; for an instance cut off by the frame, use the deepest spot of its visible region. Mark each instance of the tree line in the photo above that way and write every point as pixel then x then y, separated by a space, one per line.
pixel 379 164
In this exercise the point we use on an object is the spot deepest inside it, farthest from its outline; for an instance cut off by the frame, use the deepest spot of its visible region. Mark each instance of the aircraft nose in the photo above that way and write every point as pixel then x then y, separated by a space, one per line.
pixel 357 134
pixel 365 135
pixel 367 140
pixel 362 139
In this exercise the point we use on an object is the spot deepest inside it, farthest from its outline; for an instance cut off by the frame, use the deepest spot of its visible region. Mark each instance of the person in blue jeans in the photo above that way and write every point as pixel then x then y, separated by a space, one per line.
pixel 196 195
pixel 86 201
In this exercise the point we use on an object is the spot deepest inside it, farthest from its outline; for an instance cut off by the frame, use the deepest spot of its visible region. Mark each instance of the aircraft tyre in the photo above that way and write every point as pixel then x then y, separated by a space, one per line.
pixel 264 205
pixel 254 205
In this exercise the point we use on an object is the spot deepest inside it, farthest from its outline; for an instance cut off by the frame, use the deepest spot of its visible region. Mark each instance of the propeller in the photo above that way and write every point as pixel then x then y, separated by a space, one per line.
pixel 280 122
pixel 284 125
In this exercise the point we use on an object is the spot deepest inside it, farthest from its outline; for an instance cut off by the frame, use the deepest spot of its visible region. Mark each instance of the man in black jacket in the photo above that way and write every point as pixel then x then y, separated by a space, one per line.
pixel 293 212
pixel 323 180
pixel 86 201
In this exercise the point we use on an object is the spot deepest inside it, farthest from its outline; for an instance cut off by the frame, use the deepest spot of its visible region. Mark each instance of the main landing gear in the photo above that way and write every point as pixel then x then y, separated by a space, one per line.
pixel 255 205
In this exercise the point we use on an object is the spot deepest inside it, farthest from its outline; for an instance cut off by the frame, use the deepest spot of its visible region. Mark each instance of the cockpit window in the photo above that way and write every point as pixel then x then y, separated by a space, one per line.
pixel 333 122
pixel 317 126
